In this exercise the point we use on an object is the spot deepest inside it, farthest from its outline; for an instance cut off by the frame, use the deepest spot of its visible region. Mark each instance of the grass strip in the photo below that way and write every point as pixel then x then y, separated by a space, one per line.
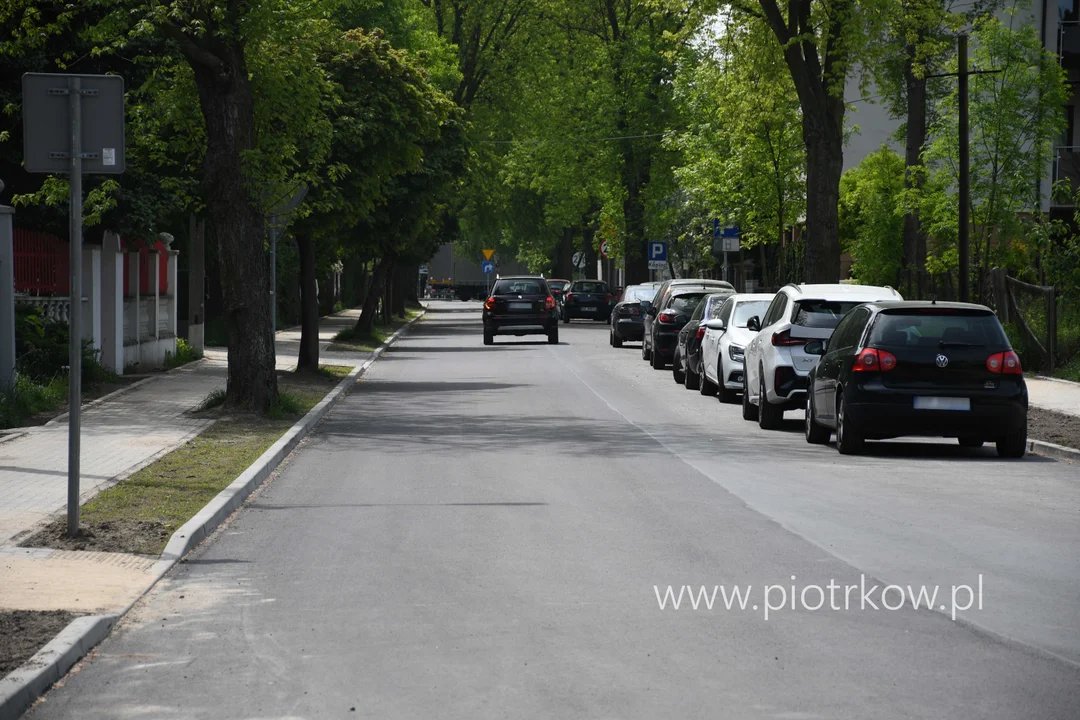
pixel 351 341
pixel 140 514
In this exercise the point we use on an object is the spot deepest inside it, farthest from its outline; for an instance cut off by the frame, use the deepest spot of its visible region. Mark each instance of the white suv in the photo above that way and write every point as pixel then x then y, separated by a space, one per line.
pixel 776 365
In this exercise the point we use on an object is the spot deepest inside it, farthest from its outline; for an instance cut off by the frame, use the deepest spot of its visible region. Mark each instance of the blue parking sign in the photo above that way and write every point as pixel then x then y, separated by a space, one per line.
pixel 658 251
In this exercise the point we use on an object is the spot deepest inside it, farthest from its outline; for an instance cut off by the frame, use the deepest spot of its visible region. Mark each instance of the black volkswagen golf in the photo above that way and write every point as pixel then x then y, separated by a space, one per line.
pixel 892 369
pixel 520 306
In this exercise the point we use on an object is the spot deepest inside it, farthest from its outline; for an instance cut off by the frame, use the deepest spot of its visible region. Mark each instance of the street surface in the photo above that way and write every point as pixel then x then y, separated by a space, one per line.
pixel 478 532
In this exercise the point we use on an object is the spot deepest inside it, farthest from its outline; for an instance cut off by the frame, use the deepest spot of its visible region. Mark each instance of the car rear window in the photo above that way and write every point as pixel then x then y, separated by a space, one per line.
pixel 557 284
pixel 590 287
pixel 637 294
pixel 821 313
pixel 520 287
pixel 688 303
pixel 746 310
pixel 930 329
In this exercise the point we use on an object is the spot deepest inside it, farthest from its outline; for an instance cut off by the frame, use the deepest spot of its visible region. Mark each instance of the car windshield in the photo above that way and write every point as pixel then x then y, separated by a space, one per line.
pixel 934 328
pixel 746 310
pixel 520 287
pixel 589 287
pixel 686 304
pixel 639 293
pixel 821 313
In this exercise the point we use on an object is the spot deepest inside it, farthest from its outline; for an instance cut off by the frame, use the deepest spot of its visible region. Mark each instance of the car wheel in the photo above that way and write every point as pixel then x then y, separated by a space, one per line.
pixel 815 434
pixel 726 396
pixel 693 380
pixel 489 337
pixel 769 416
pixel 657 360
pixel 749 412
pixel 705 386
pixel 645 354
pixel 566 318
pixel 968 442
pixel 676 370
pixel 616 341
pixel 1013 445
pixel 553 336
pixel 848 439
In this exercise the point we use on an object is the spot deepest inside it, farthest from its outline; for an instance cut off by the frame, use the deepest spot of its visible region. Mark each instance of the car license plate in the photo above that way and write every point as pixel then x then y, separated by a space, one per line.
pixel 521 306
pixel 591 308
pixel 942 403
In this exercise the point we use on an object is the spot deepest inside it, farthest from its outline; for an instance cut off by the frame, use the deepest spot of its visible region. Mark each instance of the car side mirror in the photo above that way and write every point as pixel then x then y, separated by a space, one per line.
pixel 753 324
pixel 815 347
pixel 715 324
pixel 651 309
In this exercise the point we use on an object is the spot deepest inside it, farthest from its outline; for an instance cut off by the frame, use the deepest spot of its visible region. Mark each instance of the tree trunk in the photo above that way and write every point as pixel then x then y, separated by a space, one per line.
pixel 635 242
pixel 387 298
pixel 228 110
pixel 397 296
pixel 914 242
pixel 370 307
pixel 587 234
pixel 308 358
pixel 824 139
pixel 564 260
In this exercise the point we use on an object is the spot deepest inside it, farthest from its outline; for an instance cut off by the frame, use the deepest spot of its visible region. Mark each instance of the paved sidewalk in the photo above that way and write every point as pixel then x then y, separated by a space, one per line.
pixel 1060 396
pixel 125 433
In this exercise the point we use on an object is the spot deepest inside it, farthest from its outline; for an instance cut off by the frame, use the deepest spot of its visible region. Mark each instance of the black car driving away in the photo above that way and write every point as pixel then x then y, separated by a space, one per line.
pixel 686 363
pixel 587 299
pixel 892 369
pixel 666 320
pixel 520 305
pixel 627 315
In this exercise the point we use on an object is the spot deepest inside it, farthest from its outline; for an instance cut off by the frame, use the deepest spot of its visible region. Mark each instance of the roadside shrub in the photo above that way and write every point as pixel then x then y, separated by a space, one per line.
pixel 41 350
pixel 26 398
pixel 185 353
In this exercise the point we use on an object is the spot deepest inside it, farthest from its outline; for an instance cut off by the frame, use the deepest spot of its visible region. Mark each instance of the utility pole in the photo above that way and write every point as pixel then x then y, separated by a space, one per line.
pixel 965 170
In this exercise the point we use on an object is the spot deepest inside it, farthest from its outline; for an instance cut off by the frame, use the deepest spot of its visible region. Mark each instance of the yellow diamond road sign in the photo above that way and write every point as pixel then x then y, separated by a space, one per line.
pixel 488 252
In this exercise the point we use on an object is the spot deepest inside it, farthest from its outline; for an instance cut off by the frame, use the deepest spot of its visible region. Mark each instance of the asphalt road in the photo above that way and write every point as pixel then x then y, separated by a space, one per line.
pixel 479 532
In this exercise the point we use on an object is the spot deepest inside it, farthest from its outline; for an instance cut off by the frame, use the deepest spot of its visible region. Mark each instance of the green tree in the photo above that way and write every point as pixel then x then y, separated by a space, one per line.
pixel 1015 113
pixel 872 217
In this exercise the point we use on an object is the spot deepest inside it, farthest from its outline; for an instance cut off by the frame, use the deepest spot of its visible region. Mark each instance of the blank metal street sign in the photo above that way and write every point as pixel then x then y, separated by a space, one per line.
pixel 47 123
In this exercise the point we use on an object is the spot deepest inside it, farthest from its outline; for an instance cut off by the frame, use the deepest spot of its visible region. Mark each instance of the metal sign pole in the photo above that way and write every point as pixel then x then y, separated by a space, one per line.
pixel 75 313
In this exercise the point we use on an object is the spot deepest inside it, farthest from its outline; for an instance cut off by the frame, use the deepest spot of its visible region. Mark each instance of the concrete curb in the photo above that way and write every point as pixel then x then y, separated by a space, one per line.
pixel 25 684
pixel 1057 380
pixel 1050 450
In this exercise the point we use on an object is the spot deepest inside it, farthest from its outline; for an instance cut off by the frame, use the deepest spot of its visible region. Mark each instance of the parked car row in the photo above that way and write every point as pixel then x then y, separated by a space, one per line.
pixel 864 363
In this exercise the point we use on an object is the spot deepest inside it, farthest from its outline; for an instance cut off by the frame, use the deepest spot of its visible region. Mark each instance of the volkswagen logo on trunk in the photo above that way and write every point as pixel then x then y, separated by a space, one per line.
pixel 941 361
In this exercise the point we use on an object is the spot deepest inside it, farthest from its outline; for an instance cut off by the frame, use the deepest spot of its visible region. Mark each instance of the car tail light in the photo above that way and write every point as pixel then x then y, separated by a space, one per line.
pixel 1004 363
pixel 549 303
pixel 568 297
pixel 489 304
pixel 784 338
pixel 700 332
pixel 874 360
pixel 667 317
pixel 610 299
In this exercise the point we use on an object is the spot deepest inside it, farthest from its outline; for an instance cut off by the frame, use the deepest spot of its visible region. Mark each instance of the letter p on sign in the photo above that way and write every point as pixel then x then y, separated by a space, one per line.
pixel 658 251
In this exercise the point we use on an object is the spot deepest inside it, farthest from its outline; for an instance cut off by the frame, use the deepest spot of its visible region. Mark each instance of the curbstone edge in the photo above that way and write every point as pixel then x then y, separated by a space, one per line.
pixel 21 687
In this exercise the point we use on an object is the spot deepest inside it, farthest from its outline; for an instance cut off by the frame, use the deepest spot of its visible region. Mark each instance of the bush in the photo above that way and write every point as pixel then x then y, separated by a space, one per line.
pixel 185 353
pixel 27 398
pixel 41 350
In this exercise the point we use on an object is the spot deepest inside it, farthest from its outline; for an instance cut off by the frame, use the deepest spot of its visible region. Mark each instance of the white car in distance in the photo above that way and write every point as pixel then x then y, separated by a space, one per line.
pixel 725 341
pixel 776 363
